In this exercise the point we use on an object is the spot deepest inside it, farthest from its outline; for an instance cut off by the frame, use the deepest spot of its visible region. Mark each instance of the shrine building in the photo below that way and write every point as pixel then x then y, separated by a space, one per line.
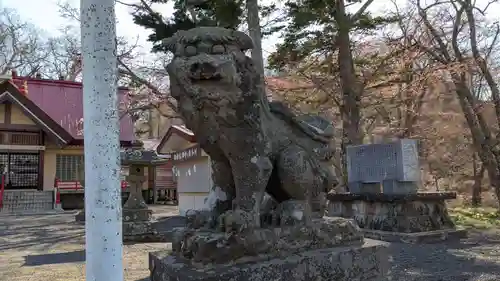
pixel 41 137
pixel 192 170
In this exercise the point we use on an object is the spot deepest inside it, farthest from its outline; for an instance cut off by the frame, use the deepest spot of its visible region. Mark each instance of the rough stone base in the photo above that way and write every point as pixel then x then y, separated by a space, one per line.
pixel 421 212
pixel 435 236
pixel 132 215
pixel 137 225
pixel 164 230
pixel 80 216
pixel 148 238
pixel 141 231
pixel 410 218
pixel 368 262
pixel 76 201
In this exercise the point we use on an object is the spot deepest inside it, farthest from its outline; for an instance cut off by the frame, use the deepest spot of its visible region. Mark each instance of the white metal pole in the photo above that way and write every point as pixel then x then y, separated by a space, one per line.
pixel 103 212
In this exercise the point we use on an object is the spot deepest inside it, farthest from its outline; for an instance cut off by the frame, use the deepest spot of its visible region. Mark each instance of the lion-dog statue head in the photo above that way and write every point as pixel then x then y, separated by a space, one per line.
pixel 211 75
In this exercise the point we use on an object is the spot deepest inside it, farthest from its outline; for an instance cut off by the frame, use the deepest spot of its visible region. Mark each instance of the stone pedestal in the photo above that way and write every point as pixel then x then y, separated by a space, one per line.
pixel 367 261
pixel 137 217
pixel 137 224
pixel 410 218
pixel 325 248
pixel 80 216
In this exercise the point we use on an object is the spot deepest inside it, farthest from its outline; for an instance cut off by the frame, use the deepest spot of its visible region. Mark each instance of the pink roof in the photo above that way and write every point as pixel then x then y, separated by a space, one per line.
pixel 63 102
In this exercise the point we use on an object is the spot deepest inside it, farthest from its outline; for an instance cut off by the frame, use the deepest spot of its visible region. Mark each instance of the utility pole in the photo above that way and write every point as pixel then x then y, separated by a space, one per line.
pixel 103 211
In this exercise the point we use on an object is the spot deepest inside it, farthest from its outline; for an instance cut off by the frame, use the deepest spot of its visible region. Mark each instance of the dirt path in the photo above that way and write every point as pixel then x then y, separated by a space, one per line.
pixel 51 248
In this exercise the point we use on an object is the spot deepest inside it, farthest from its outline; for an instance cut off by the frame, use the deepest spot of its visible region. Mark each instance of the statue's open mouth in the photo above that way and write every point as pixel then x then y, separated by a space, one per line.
pixel 204 72
pixel 207 78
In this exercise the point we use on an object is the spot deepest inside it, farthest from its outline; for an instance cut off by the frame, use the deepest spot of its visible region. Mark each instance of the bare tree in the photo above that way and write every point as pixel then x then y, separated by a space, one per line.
pixel 455 35
pixel 21 46
pixel 64 59
pixel 147 80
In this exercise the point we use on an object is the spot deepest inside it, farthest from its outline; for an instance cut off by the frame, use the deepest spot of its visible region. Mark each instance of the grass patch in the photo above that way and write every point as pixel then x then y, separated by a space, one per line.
pixel 476 218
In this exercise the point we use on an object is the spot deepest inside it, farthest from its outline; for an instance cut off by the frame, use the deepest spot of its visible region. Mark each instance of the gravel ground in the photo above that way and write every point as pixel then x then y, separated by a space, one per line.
pixel 474 259
pixel 51 248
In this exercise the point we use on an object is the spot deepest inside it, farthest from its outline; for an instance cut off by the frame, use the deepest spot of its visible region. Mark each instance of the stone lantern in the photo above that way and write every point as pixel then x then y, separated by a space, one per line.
pixel 137 217
pixel 80 176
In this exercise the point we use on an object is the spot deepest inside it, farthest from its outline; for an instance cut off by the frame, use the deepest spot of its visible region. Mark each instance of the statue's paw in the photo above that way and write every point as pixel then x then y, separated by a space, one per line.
pixel 198 218
pixel 236 221
pixel 292 212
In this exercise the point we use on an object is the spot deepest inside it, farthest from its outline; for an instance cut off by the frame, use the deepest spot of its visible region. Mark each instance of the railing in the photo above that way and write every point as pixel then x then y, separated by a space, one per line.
pixel 171 194
pixel 76 187
pixel 2 189
pixel 168 195
pixel 69 186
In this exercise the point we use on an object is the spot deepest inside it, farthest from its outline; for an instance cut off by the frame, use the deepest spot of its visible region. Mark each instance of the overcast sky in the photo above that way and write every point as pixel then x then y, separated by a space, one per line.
pixel 44 14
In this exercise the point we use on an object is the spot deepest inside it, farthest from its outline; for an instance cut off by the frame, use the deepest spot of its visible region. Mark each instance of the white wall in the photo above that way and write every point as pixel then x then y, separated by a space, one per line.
pixel 193 175
pixel 193 183
pixel 191 202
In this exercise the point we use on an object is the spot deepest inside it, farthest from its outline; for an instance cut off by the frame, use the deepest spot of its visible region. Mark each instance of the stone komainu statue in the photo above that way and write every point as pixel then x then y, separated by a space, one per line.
pixel 256 146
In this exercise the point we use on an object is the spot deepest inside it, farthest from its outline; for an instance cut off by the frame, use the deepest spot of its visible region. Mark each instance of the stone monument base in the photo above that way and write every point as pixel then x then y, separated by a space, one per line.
pixel 137 215
pixel 138 232
pixel 80 216
pixel 410 218
pixel 368 262
pixel 138 225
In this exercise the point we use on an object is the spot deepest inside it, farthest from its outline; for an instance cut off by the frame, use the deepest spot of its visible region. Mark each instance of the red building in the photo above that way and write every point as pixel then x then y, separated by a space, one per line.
pixel 41 139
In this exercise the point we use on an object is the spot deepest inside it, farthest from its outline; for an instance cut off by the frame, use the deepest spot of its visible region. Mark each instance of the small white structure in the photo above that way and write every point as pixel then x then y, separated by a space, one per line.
pixel 192 168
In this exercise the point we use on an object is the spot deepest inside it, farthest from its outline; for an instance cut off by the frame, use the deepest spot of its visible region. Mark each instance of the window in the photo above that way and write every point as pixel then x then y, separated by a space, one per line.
pixel 67 167
pixel 25 139
pixel 4 138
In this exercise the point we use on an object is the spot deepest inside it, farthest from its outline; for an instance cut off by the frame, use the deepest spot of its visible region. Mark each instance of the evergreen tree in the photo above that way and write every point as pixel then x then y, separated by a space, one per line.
pixel 324 29
pixel 208 13
pixel 224 13
pixel 316 27
pixel 321 31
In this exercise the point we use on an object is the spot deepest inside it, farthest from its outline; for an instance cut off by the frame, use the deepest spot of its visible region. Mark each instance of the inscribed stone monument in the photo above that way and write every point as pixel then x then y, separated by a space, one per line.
pixel 384 198
pixel 390 168
pixel 270 174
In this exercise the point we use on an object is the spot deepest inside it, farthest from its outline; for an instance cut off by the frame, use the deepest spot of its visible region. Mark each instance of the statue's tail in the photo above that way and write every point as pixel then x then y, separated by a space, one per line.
pixel 317 128
pixel 320 132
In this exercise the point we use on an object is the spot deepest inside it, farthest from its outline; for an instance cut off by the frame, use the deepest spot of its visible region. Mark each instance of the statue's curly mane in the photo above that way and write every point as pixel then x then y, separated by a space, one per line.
pixel 207 34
